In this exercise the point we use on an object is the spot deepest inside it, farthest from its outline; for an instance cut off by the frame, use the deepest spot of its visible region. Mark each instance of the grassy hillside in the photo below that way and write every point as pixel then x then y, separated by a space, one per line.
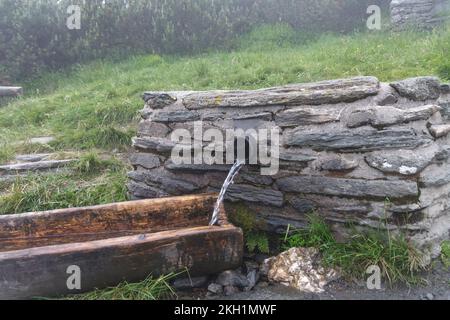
pixel 94 108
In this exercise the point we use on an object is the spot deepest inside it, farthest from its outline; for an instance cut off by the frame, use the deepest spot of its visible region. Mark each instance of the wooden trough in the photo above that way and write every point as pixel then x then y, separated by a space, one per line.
pixel 111 243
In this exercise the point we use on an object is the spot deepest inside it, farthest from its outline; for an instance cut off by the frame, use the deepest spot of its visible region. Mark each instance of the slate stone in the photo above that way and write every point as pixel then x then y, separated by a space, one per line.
pixel 306 116
pixel 404 162
pixel 254 194
pixel 158 100
pixel 357 141
pixel 174 116
pixel 337 163
pixel 439 130
pixel 164 181
pixel 348 187
pixel 145 160
pixel 153 144
pixel 419 89
pixel 324 92
pixel 152 129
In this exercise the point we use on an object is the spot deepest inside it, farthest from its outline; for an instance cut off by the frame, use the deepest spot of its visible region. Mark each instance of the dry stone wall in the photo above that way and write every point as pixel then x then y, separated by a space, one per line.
pixel 419 13
pixel 354 150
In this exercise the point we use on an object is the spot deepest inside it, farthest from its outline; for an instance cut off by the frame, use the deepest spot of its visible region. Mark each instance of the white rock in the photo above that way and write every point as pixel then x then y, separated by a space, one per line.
pixel 300 268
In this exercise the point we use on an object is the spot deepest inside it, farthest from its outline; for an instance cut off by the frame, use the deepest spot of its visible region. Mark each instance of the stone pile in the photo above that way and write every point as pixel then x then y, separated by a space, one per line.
pixel 423 14
pixel 354 150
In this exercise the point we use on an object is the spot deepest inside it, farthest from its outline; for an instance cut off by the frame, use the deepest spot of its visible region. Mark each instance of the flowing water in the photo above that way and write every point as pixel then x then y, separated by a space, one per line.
pixel 228 181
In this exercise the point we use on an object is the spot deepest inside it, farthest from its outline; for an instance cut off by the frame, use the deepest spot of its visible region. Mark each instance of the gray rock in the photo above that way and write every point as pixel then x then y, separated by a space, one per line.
pixel 265 116
pixel 439 130
pixel 153 144
pixel 357 140
pixel 380 117
pixel 42 140
pixel 33 157
pixel 215 288
pixel 254 194
pixel 145 160
pixel 232 278
pixel 256 178
pixel 337 163
pixel 306 116
pixel 404 162
pixel 348 187
pixel 143 191
pixel 35 166
pixel 435 175
pixel 158 100
pixel 174 116
pixel 303 206
pixel 163 180
pixel 387 96
pixel 230 290
pixel 419 89
pixel 325 92
pixel 291 156
pixel 197 167
pixel 190 283
pixel 445 88
pixel 152 129
pixel 252 277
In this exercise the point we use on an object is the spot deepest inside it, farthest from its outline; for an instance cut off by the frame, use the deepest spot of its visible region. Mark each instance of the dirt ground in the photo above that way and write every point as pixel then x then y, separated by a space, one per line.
pixel 437 287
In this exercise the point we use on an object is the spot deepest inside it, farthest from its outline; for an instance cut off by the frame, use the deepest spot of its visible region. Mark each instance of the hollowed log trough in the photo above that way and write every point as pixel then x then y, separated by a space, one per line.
pixel 111 243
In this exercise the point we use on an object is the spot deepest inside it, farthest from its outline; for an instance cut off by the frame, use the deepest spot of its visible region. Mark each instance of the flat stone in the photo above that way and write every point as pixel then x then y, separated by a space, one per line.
pixel 439 130
pixel 404 162
pixel 158 100
pixel 435 176
pixel 174 116
pixel 325 92
pixel 419 89
pixel 33 157
pixel 254 194
pixel 303 206
pixel 163 180
pixel 144 191
pixel 145 160
pixel 197 167
pixel 232 278
pixel 337 163
pixel 380 117
pixel 42 140
pixel 387 96
pixel 152 129
pixel 357 140
pixel 215 288
pixel 306 116
pixel 153 144
pixel 348 187
pixel 190 283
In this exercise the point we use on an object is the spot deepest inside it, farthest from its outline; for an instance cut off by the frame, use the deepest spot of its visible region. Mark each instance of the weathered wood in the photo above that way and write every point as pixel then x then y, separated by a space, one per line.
pixel 42 272
pixel 35 229
pixel 10 91
pixel 112 243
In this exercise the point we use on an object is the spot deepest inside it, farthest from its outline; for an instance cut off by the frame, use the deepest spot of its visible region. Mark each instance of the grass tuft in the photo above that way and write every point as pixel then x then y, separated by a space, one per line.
pixel 398 259
pixel 149 289
pixel 445 253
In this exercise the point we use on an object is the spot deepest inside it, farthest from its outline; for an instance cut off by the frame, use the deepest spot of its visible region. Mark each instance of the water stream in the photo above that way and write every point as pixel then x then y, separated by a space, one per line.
pixel 228 181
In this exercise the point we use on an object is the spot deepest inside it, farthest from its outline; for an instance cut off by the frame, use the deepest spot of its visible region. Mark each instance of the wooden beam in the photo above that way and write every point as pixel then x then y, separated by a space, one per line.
pixel 61 226
pixel 42 272
pixel 10 91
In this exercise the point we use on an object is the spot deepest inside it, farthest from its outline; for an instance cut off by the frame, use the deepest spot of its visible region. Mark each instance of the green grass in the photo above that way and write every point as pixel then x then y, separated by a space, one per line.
pixel 398 259
pixel 149 289
pixel 445 254
pixel 92 181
